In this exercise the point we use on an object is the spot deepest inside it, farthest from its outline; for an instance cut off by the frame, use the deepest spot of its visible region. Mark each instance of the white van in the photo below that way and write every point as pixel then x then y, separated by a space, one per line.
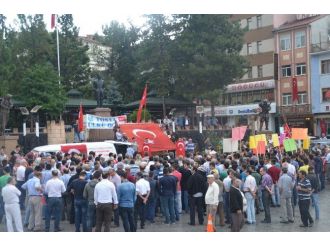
pixel 100 148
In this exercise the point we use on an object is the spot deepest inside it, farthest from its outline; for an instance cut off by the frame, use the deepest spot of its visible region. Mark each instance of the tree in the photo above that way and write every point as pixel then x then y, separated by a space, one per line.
pixel 74 62
pixel 146 116
pixel 121 60
pixel 207 54
pixel 113 95
pixel 40 87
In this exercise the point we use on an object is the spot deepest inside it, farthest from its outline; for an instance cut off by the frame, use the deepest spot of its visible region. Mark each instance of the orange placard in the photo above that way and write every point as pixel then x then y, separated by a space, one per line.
pixel 299 133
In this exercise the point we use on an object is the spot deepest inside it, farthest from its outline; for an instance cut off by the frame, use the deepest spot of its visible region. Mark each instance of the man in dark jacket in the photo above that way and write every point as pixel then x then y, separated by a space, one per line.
pixel 186 173
pixel 315 192
pixel 236 206
pixel 167 186
pixel 89 195
pixel 196 187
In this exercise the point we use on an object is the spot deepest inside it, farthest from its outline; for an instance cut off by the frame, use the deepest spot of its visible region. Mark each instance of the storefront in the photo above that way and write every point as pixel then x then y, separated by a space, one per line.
pixel 231 116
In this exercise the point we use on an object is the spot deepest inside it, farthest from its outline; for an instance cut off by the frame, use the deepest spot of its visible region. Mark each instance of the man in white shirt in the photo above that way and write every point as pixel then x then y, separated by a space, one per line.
pixel 20 178
pixel 250 190
pixel 142 195
pixel 212 198
pixel 54 189
pixel 105 199
pixel 10 196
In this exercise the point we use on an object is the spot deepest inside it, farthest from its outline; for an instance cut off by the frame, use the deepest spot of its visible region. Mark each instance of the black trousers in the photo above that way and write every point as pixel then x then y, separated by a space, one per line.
pixel 139 211
pixel 193 203
pixel 304 211
pixel 103 216
pixel 266 198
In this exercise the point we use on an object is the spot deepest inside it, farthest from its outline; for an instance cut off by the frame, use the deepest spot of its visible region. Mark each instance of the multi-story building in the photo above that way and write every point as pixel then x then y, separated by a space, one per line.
pixel 97 53
pixel 320 74
pixel 293 41
pixel 240 101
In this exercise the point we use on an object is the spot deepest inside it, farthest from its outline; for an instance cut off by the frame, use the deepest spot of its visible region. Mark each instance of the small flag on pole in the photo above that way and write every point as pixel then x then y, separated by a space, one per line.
pixel 143 102
pixel 52 23
pixel 81 119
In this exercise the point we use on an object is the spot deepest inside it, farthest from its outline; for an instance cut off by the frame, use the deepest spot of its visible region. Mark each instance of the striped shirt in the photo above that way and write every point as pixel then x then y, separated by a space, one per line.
pixel 304 184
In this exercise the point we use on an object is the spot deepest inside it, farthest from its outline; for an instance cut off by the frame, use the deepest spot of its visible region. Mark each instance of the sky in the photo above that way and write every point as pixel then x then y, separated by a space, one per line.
pixel 90 15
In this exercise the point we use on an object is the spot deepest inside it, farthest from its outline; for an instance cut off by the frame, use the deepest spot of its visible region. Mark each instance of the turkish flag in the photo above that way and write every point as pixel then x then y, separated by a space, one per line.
pixel 52 21
pixel 143 102
pixel 80 119
pixel 323 126
pixel 294 90
pixel 180 149
pixel 75 148
pixel 146 149
pixel 157 140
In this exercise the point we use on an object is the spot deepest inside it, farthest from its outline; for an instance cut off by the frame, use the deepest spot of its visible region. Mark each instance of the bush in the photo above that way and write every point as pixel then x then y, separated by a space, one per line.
pixel 145 116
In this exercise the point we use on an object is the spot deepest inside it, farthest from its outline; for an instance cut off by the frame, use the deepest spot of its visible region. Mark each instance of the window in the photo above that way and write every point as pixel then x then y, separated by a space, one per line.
pixel 302 98
pixel 249 48
pixel 249 72
pixel 259 71
pixel 325 67
pixel 259 46
pixel 259 21
pixel 285 41
pixel 286 99
pixel 326 94
pixel 300 39
pixel 249 21
pixel 301 69
pixel 286 71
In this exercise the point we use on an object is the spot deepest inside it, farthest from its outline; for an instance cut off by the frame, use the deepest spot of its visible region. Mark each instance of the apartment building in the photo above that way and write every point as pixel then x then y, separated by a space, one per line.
pixel 240 102
pixel 293 42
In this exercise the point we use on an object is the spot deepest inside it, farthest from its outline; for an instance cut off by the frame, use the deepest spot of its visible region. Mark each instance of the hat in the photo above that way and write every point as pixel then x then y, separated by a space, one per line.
pixel 210 176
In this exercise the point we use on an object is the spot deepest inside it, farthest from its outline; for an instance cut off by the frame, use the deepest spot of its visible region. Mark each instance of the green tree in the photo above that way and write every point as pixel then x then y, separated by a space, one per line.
pixel 207 54
pixel 121 60
pixel 6 66
pixel 74 61
pixel 145 116
pixel 113 95
pixel 40 87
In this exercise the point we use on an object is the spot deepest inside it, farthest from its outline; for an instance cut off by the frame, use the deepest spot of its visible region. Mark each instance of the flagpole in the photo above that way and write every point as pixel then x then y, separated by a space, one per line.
pixel 58 53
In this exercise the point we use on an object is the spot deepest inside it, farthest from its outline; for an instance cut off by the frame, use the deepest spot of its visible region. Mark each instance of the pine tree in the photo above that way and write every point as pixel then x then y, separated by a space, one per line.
pixel 113 94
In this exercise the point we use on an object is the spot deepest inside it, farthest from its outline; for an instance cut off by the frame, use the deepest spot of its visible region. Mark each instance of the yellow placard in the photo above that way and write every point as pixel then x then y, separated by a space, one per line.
pixel 252 142
pixel 306 143
pixel 276 142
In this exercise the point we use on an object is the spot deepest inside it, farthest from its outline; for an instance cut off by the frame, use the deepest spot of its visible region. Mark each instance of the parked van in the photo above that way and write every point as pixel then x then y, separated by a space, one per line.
pixel 100 148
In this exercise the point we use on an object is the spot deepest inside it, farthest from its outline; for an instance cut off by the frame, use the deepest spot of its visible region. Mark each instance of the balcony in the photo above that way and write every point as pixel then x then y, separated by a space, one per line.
pixel 295 109
pixel 319 47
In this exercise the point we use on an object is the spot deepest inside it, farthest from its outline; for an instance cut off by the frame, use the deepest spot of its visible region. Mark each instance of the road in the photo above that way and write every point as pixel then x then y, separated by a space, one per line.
pixel 323 225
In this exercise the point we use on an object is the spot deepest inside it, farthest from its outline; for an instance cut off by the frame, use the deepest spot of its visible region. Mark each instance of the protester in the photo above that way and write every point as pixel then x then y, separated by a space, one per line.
pixel 212 198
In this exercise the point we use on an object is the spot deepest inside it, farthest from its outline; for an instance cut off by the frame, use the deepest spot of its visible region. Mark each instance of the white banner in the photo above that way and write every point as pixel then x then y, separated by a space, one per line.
pixel 229 145
pixel 97 122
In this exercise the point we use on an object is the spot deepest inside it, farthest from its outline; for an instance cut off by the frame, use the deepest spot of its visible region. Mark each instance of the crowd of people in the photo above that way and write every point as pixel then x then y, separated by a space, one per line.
pixel 96 194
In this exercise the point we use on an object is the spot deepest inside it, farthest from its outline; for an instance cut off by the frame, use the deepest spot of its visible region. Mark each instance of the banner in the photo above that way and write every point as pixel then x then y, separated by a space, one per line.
pixel 230 145
pixel 290 145
pixel 97 122
pixel 275 140
pixel 238 133
pixel 299 133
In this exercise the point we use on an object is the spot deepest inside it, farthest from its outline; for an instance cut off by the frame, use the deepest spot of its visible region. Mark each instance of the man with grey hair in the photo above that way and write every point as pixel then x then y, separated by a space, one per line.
pixel 285 184
pixel 212 198
pixel 10 196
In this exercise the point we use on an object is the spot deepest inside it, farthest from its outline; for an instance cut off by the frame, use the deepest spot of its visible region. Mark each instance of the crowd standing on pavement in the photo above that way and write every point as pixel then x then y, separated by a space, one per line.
pixel 94 194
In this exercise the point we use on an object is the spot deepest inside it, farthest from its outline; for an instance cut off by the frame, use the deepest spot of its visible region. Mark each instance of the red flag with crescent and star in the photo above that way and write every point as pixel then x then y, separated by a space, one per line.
pixel 80 119
pixel 180 148
pixel 143 102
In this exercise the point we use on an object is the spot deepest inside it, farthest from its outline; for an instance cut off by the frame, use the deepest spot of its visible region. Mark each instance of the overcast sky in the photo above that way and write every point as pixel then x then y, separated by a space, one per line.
pixel 90 15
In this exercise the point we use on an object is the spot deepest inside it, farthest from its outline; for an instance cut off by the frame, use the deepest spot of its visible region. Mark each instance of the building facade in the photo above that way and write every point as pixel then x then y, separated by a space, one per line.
pixel 320 75
pixel 293 43
pixel 259 81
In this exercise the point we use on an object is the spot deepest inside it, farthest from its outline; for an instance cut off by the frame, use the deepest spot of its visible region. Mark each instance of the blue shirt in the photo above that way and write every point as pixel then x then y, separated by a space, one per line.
pixel 65 178
pixel 46 175
pixel 126 195
pixel 31 185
